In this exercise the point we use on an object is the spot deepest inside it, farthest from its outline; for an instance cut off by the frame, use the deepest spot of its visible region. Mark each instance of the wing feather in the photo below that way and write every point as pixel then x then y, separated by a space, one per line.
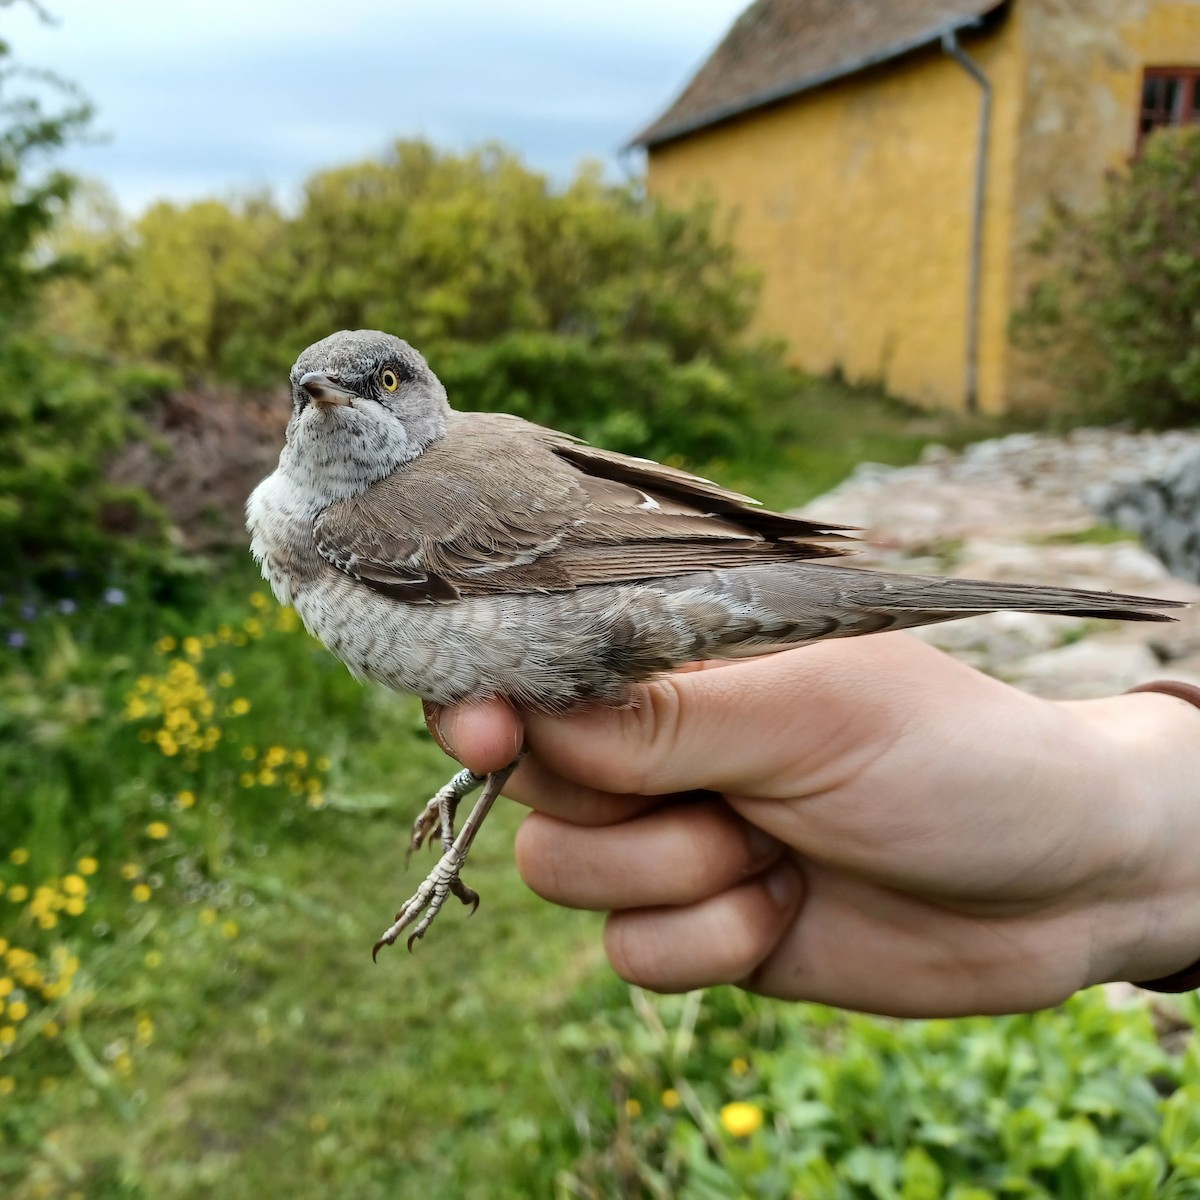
pixel 503 506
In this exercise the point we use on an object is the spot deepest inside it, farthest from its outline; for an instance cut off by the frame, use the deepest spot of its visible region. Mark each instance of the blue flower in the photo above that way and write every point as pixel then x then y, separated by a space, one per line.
pixel 66 606
pixel 114 596
pixel 28 611
pixel 15 639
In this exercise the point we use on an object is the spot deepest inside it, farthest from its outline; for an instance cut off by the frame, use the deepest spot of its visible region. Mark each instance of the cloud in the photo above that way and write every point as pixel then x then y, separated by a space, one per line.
pixel 216 97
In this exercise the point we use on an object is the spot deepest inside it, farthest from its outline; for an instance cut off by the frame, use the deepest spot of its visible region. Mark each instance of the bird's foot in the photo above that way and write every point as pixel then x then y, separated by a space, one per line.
pixel 437 817
pixel 445 878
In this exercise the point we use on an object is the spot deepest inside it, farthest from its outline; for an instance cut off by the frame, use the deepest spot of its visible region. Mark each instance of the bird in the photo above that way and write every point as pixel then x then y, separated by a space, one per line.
pixel 468 555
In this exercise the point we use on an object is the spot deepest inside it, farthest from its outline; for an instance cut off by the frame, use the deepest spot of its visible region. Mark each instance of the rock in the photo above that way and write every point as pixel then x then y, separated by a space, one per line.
pixel 1085 669
pixel 1163 509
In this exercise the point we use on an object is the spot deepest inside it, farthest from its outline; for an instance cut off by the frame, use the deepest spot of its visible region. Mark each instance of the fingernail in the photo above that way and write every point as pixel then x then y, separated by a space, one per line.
pixel 437 718
pixel 783 884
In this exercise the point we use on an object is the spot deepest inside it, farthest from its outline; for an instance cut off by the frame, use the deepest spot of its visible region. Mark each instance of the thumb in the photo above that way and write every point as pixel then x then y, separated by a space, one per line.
pixel 786 724
pixel 484 735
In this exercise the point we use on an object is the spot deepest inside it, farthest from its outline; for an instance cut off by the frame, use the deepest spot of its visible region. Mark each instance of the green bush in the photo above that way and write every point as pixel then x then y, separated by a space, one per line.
pixel 604 312
pixel 1118 311
pixel 631 398
pixel 723 1094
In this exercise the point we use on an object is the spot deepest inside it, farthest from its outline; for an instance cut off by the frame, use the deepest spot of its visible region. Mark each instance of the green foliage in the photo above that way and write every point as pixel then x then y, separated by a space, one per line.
pixel 729 1095
pixel 63 415
pixel 631 398
pixel 475 259
pixel 1118 312
pixel 62 412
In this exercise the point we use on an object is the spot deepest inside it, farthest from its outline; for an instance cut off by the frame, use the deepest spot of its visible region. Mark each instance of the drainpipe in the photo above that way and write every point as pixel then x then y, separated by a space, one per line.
pixel 955 51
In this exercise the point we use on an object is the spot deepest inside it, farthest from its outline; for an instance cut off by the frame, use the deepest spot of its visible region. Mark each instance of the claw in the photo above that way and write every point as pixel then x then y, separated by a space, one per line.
pixel 446 877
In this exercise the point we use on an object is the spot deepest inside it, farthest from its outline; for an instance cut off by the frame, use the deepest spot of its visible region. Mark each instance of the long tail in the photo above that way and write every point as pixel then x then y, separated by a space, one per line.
pixel 773 607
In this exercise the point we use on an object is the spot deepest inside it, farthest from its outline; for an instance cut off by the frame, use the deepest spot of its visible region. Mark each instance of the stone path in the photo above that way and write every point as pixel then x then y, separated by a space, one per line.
pixel 1017 508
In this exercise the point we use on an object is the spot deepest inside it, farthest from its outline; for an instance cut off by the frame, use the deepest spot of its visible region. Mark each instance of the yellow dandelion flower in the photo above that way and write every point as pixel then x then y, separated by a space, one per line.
pixel 247 779
pixel 130 871
pixel 75 906
pixel 47 920
pixel 153 959
pixel 633 1108
pixel 75 885
pixel 322 763
pixel 300 758
pixel 225 679
pixel 224 633
pixel 20 856
pixel 8 1085
pixel 318 1123
pixel 185 799
pixel 6 986
pixel 158 830
pixel 267 778
pixel 18 892
pixel 259 600
pixel 165 645
pixel 141 892
pixel 8 1035
pixel 123 1064
pixel 671 1099
pixel 87 866
pixel 240 706
pixel 208 916
pixel 275 756
pixel 145 1029
pixel 136 708
pixel 51 1029
pixel 739 1067
pixel 230 929
pixel 741 1118
pixel 315 801
pixel 18 1010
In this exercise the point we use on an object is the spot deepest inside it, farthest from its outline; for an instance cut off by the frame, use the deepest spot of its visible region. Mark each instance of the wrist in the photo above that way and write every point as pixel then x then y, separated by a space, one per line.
pixel 1147 924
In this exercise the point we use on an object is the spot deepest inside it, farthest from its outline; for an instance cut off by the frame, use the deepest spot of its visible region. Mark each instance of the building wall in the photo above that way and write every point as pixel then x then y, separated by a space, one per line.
pixel 855 202
pixel 1079 108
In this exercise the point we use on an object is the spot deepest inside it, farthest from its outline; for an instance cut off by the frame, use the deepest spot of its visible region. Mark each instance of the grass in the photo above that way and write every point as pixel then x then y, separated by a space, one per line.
pixel 814 441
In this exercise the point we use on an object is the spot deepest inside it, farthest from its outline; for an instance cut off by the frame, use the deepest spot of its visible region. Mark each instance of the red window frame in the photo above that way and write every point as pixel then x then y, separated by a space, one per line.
pixel 1162 105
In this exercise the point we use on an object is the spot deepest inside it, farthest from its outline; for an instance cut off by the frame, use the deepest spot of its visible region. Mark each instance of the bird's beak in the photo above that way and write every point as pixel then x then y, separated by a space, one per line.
pixel 324 389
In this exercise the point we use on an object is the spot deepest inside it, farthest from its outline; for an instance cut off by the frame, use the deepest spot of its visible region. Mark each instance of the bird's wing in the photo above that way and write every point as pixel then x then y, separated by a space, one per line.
pixel 503 506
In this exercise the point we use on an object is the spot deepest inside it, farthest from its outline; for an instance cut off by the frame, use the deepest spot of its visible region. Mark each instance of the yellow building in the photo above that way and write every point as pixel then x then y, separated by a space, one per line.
pixel 887 164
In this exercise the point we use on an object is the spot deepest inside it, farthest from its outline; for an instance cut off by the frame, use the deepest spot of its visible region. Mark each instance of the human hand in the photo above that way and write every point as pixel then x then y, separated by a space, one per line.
pixel 869 824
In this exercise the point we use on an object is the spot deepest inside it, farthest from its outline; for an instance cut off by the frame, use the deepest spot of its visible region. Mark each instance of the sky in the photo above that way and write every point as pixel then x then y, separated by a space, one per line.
pixel 218 98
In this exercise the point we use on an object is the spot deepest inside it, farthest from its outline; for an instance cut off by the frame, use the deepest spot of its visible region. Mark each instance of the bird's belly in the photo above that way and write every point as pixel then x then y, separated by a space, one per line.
pixel 540 651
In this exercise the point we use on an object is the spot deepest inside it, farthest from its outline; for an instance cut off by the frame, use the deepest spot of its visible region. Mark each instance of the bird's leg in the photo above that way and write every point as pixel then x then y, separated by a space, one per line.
pixel 438 814
pixel 445 879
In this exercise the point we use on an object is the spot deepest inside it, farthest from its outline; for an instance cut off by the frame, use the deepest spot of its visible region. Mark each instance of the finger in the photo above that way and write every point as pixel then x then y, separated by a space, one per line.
pixel 484 735
pixel 676 856
pixel 535 785
pixel 783 725
pixel 719 940
pixel 876 950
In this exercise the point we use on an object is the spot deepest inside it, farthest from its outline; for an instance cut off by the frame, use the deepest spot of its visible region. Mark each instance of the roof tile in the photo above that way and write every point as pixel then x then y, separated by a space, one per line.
pixel 777 48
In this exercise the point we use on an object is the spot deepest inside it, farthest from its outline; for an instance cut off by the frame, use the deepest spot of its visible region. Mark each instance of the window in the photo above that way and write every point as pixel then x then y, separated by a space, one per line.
pixel 1170 96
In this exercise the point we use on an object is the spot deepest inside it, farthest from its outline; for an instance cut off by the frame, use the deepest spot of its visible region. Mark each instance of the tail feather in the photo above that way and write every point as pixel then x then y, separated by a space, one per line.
pixel 932 596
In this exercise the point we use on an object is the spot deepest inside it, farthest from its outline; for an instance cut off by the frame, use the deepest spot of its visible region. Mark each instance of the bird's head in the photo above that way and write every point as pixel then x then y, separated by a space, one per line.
pixel 363 403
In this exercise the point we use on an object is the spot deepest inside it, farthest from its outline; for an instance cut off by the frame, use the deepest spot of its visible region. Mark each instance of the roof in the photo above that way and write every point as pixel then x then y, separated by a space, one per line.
pixel 778 48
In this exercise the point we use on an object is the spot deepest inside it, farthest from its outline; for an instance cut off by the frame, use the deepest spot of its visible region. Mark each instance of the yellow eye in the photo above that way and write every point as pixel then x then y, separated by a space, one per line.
pixel 390 380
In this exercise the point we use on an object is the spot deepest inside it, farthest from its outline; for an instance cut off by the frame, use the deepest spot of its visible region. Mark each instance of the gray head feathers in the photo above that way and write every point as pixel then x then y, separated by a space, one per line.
pixel 363 403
